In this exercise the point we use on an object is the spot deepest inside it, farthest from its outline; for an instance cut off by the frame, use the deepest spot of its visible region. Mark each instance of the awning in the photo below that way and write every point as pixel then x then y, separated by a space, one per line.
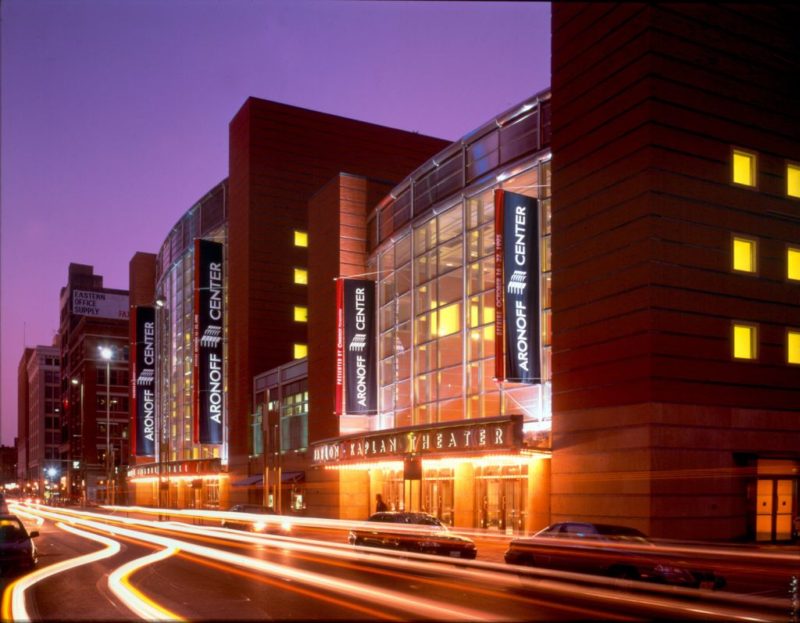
pixel 250 481
pixel 293 476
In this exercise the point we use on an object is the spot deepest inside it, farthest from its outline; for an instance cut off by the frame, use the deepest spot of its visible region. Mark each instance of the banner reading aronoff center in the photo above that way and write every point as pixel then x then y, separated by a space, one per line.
pixel 516 288
pixel 143 377
pixel 208 323
pixel 356 362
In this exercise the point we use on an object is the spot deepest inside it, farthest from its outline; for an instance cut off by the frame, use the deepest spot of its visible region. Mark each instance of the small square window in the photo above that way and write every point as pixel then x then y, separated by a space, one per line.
pixel 300 238
pixel 744 168
pixel 300 314
pixel 793 180
pixel 793 263
pixel 793 346
pixel 744 254
pixel 744 341
pixel 300 351
pixel 301 276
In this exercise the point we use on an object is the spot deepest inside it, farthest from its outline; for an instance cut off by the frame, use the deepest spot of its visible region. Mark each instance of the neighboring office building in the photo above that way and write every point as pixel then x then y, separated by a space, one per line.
pixel 93 317
pixel 39 429
pixel 676 267
pixel 279 157
pixel 8 467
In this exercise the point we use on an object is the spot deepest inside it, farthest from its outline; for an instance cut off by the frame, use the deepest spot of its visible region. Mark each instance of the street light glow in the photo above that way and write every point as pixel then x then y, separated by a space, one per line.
pixel 106 352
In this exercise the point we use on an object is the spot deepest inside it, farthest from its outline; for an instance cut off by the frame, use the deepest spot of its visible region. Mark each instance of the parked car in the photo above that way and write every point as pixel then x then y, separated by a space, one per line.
pixel 17 551
pixel 275 524
pixel 414 532
pixel 601 549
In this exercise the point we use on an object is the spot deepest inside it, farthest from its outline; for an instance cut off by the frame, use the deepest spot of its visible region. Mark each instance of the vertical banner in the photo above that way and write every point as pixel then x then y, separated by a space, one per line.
pixel 338 407
pixel 517 340
pixel 360 370
pixel 144 385
pixel 208 324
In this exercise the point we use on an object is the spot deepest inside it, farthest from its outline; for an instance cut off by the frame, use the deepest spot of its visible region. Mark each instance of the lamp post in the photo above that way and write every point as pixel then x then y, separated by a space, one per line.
pixel 76 381
pixel 107 354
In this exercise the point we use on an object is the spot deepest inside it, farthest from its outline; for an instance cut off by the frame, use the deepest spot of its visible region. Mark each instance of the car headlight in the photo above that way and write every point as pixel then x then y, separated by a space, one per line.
pixel 286 526
pixel 259 526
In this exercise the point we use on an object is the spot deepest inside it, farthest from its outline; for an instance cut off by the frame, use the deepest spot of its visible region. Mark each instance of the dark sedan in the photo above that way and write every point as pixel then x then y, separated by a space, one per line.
pixel 602 549
pixel 261 519
pixel 413 532
pixel 17 551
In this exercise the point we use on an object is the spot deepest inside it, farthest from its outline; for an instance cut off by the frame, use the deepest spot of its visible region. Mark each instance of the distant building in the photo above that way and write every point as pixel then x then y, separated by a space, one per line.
pixel 93 317
pixel 39 424
pixel 8 465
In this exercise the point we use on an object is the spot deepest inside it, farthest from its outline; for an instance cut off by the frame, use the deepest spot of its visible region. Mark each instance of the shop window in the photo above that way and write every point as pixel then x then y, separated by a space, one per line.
pixel 793 180
pixel 793 263
pixel 744 254
pixel 300 351
pixel 300 238
pixel 301 276
pixel 300 313
pixel 793 346
pixel 745 341
pixel 744 168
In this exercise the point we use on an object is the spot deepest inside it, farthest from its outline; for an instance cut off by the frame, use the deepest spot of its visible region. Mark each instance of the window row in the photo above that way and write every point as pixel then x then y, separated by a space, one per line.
pixel 745 342
pixel 744 171
pixel 745 257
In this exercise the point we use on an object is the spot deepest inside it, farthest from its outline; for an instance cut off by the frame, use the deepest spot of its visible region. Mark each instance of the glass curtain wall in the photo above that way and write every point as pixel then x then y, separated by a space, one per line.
pixel 436 315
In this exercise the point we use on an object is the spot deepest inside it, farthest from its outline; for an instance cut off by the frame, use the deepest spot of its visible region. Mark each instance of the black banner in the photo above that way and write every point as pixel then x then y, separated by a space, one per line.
pixel 517 317
pixel 144 391
pixel 360 373
pixel 208 326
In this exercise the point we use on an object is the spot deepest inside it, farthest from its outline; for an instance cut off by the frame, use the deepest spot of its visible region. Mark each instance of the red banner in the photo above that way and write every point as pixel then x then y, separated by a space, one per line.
pixel 499 308
pixel 338 407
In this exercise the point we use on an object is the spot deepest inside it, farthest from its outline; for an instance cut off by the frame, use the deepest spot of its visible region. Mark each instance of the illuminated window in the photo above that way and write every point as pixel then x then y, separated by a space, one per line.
pixel 300 351
pixel 744 341
pixel 793 180
pixel 300 314
pixel 300 238
pixel 449 320
pixel 793 263
pixel 744 168
pixel 793 346
pixel 301 276
pixel 744 254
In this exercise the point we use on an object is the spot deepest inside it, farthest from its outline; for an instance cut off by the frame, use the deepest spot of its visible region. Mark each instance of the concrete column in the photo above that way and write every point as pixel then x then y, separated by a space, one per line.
pixel 464 495
pixel 538 511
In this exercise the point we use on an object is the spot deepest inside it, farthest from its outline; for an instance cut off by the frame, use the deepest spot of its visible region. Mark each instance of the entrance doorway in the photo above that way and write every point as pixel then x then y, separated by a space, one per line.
pixel 501 497
pixel 776 501
pixel 437 494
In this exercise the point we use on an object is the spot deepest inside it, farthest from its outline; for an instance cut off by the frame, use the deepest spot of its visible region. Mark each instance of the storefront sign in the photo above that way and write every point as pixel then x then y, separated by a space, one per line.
pixel 143 378
pixel 208 334
pixel 487 435
pixel 100 304
pixel 356 348
pixel 516 288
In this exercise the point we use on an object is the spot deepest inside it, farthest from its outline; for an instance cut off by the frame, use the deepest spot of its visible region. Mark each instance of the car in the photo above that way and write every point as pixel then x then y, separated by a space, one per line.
pixel 610 550
pixel 413 532
pixel 275 524
pixel 17 551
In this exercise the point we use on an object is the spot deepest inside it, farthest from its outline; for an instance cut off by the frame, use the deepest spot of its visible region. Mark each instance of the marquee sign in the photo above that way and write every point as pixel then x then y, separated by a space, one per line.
pixel 489 434
pixel 356 357
pixel 517 341
pixel 100 304
pixel 143 379
pixel 208 327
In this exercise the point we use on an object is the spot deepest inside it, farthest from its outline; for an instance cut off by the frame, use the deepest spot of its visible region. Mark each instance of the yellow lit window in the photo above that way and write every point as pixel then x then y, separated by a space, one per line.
pixel 744 254
pixel 793 180
pixel 793 346
pixel 744 341
pixel 793 263
pixel 300 238
pixel 300 351
pixel 300 314
pixel 449 319
pixel 301 276
pixel 744 168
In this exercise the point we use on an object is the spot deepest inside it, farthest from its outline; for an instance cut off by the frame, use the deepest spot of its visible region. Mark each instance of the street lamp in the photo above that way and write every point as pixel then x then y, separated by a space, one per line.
pixel 107 354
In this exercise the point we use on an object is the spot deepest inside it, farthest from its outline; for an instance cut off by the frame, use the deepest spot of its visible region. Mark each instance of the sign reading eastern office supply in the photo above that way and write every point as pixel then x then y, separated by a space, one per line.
pixel 100 304
pixel 356 348
pixel 143 376
pixel 517 341
pixel 208 326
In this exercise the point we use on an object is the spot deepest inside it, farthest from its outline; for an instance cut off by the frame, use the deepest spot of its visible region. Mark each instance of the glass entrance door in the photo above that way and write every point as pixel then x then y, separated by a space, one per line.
pixel 501 498
pixel 775 504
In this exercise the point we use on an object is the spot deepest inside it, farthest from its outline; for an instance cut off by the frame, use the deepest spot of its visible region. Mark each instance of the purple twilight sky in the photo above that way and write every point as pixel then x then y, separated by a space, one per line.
pixel 115 114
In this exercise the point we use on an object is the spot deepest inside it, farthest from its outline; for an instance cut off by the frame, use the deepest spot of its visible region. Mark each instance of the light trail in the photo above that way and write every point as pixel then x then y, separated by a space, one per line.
pixel 13 607
pixel 135 600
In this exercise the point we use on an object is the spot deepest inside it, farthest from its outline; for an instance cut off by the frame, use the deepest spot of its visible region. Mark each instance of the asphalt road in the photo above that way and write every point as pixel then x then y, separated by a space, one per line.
pixel 211 574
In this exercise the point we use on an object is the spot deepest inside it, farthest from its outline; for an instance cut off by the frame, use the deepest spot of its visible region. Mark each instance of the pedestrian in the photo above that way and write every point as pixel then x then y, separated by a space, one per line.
pixel 380 505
